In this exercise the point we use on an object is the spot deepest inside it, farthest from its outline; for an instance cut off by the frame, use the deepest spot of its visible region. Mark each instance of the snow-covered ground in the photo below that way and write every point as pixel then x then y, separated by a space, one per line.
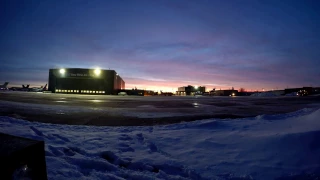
pixel 264 147
pixel 292 94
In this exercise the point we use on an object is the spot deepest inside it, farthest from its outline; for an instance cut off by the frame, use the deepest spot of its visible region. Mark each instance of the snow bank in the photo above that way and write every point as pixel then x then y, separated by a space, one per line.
pixel 264 147
pixel 264 94
pixel 292 94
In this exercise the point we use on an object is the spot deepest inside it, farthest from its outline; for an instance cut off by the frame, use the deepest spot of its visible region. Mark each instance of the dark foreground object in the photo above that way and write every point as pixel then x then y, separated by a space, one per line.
pixel 22 158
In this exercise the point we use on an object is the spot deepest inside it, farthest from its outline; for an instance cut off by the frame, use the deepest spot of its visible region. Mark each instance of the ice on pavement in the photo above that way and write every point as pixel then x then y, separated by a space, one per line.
pixel 63 108
pixel 263 147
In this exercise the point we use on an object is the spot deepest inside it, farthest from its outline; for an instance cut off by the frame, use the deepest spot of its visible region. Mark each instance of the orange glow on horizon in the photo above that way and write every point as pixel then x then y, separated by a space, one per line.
pixel 153 88
pixel 208 88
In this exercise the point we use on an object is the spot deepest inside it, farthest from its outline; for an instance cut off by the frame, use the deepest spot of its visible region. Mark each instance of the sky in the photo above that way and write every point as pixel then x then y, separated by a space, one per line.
pixel 164 44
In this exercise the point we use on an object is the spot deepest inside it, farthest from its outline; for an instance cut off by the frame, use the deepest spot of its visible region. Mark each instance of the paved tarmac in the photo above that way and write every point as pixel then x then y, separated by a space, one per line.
pixel 106 110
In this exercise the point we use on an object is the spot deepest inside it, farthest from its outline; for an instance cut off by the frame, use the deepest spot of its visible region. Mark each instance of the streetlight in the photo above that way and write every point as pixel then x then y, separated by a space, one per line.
pixel 62 71
pixel 97 71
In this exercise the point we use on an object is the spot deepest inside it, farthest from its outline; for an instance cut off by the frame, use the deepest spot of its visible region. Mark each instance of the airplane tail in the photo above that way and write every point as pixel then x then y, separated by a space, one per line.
pixel 5 84
pixel 23 86
pixel 28 86
pixel 45 87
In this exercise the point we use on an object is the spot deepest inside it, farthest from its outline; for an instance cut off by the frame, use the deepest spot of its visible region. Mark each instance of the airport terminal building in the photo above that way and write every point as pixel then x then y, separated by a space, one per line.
pixel 85 81
pixel 190 90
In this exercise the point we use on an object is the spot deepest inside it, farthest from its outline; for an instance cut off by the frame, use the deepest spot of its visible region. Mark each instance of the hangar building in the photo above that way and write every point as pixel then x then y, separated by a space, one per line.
pixel 84 81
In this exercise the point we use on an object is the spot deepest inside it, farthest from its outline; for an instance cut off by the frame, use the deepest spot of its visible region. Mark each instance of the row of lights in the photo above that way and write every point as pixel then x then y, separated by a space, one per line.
pixel 92 92
pixel 62 90
pixel 96 71
pixel 82 91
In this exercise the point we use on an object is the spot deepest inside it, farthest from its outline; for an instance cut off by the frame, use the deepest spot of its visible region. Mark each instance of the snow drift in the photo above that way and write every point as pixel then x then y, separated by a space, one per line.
pixel 264 147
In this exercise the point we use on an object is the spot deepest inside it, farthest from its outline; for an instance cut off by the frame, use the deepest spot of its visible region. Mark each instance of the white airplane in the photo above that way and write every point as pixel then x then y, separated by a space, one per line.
pixel 4 86
pixel 38 89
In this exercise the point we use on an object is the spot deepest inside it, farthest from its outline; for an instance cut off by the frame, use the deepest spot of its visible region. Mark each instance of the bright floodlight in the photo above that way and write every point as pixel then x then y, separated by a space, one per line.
pixel 62 71
pixel 97 72
pixel 196 87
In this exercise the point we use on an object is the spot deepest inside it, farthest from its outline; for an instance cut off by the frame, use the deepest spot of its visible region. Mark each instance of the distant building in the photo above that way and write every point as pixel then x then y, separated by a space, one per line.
pixel 84 81
pixel 166 94
pixel 190 90
pixel 304 90
pixel 231 92
pixel 316 90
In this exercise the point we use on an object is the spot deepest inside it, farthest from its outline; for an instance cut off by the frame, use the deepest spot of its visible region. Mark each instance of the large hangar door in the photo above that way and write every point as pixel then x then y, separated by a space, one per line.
pixel 80 84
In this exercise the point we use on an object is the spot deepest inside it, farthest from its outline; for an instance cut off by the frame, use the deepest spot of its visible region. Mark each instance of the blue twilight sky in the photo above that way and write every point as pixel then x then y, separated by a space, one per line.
pixel 164 44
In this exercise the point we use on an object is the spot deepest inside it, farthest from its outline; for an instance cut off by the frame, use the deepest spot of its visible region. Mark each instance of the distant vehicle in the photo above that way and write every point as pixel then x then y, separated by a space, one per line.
pixel 4 86
pixel 122 94
pixel 38 89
